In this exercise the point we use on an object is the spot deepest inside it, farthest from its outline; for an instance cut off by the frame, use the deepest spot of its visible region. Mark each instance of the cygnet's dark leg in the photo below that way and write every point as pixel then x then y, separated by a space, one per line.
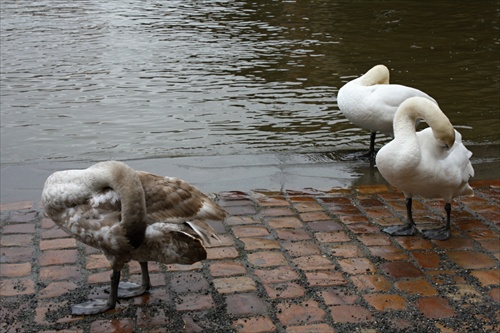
pixel 96 306
pixel 408 229
pixel 130 289
pixel 442 233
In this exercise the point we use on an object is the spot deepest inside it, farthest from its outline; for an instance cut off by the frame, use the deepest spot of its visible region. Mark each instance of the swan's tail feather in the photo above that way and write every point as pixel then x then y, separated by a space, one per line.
pixel 204 230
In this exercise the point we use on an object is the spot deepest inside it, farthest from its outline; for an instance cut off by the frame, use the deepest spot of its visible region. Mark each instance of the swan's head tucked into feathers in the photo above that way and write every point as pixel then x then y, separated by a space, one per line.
pixel 416 108
pixel 378 74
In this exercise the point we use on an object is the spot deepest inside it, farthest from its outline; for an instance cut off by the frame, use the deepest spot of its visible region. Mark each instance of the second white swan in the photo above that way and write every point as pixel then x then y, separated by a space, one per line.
pixel 432 163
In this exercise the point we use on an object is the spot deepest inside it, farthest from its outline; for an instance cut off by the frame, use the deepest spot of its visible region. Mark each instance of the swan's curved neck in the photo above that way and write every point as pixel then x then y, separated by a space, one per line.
pixel 376 75
pixel 421 108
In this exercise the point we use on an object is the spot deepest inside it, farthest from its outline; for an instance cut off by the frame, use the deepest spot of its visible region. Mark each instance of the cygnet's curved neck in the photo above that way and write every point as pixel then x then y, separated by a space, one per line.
pixel 377 75
pixel 421 108
pixel 125 181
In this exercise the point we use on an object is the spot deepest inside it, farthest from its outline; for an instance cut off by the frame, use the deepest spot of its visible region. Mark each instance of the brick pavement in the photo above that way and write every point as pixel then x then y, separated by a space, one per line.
pixel 289 261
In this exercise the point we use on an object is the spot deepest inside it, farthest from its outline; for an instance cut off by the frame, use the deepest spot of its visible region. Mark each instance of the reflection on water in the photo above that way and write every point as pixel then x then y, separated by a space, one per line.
pixel 93 79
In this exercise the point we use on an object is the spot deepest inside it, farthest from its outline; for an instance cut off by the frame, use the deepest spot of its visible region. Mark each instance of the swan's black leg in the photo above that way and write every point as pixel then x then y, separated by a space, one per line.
pixel 130 289
pixel 408 229
pixel 96 306
pixel 442 233
pixel 371 151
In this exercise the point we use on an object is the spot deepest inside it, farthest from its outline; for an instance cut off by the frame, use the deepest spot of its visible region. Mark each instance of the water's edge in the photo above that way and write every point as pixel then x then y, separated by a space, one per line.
pixel 292 171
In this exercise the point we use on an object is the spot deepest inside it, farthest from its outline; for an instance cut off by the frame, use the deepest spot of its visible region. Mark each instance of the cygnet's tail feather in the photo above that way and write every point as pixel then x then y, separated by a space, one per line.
pixel 204 230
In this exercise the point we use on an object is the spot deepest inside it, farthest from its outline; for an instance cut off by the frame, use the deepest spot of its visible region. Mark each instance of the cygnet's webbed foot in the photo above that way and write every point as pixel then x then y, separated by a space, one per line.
pixel 130 289
pixel 401 230
pixel 92 307
pixel 442 233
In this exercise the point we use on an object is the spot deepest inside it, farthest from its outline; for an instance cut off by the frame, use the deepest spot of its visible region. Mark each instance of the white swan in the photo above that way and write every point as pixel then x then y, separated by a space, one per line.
pixel 130 215
pixel 431 163
pixel 370 102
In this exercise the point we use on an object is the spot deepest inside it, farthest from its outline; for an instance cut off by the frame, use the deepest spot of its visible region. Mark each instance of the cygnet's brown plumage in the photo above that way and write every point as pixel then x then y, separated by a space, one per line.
pixel 130 215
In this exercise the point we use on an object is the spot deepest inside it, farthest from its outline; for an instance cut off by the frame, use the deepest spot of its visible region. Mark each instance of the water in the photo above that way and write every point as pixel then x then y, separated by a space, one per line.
pixel 93 80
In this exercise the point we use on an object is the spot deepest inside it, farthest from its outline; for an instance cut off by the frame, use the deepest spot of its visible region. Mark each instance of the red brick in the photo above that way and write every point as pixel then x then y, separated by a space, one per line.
pixel 494 293
pixel 304 207
pixel 55 289
pixel 314 216
pixel 401 269
pixel 314 262
pixel 53 233
pixel 241 210
pixel 357 265
pixel 222 253
pixel 96 261
pixel 149 317
pixel 178 267
pixel 52 273
pixel 487 278
pixel 388 252
pixel 293 234
pixel 364 228
pixel 277 201
pixel 118 325
pixel 325 226
pixel 245 305
pixel 414 243
pixel 371 282
pixel 313 328
pixel 285 222
pixel 258 324
pixel 325 278
pixel 306 312
pixel 19 229
pixel 277 212
pixel 240 220
pixel 101 277
pixel 374 239
pixel 471 260
pixel 256 243
pixel 338 297
pixel 15 270
pixel 349 219
pixel 284 290
pixel 58 257
pixel 16 241
pixel 20 205
pixel 350 314
pixel 456 243
pixel 250 231
pixel 427 259
pixel 301 248
pixel 60 243
pixel 234 284
pixel 346 251
pixel 22 217
pixel 15 255
pixel 435 307
pixel 382 302
pixel 192 302
pixel 332 237
pixel 416 287
pixel 267 259
pixel 17 286
pixel 226 268
pixel 187 282
pixel 278 274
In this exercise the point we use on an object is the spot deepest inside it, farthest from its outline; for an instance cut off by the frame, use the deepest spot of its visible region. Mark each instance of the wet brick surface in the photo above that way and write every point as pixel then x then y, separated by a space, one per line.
pixel 289 261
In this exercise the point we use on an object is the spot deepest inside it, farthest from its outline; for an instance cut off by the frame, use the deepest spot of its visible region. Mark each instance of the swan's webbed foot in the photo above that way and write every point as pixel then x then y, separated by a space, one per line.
pixel 92 307
pixel 130 289
pixel 442 233
pixel 401 230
